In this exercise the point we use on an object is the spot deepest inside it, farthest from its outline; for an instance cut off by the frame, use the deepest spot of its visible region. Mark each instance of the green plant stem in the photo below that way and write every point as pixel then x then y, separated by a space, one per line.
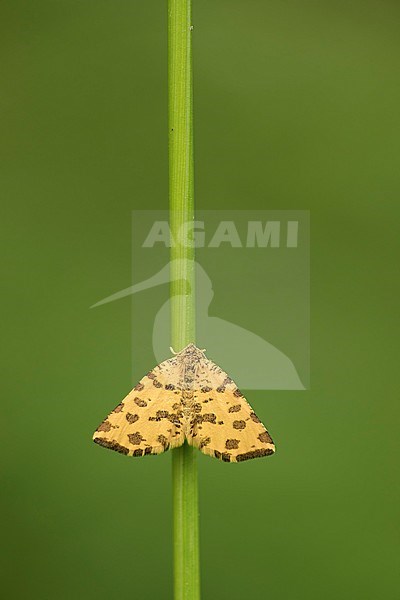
pixel 180 123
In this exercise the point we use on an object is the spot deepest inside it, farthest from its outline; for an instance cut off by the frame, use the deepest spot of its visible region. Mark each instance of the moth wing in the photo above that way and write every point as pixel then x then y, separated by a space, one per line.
pixel 149 418
pixel 224 424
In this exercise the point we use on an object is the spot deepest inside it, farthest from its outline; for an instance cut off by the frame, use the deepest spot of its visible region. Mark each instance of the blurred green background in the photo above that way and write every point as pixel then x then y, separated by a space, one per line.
pixel 296 107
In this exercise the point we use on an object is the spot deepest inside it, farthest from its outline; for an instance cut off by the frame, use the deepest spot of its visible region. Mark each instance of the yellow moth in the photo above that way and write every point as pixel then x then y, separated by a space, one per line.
pixel 187 397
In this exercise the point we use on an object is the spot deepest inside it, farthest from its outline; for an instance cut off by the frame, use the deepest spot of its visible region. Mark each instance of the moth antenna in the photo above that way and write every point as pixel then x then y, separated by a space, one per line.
pixel 173 351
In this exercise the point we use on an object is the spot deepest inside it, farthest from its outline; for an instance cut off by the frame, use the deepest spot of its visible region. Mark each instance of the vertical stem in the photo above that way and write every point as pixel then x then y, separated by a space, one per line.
pixel 180 123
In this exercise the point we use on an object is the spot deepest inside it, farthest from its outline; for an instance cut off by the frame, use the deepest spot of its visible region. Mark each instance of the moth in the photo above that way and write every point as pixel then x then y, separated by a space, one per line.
pixel 187 397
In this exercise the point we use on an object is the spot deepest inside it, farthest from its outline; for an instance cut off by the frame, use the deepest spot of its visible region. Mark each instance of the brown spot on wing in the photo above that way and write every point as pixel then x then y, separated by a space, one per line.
pixel 140 402
pixel 131 418
pixel 135 438
pixel 105 426
pixel 174 418
pixel 160 414
pixel 254 454
pixel 209 418
pixel 163 440
pixel 265 438
pixel 225 456
pixel 232 444
pixel 111 445
pixel 234 408
pixel 205 442
pixel 239 424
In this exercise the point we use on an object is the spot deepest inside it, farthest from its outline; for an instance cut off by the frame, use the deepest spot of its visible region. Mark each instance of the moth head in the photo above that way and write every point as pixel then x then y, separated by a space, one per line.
pixel 191 351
